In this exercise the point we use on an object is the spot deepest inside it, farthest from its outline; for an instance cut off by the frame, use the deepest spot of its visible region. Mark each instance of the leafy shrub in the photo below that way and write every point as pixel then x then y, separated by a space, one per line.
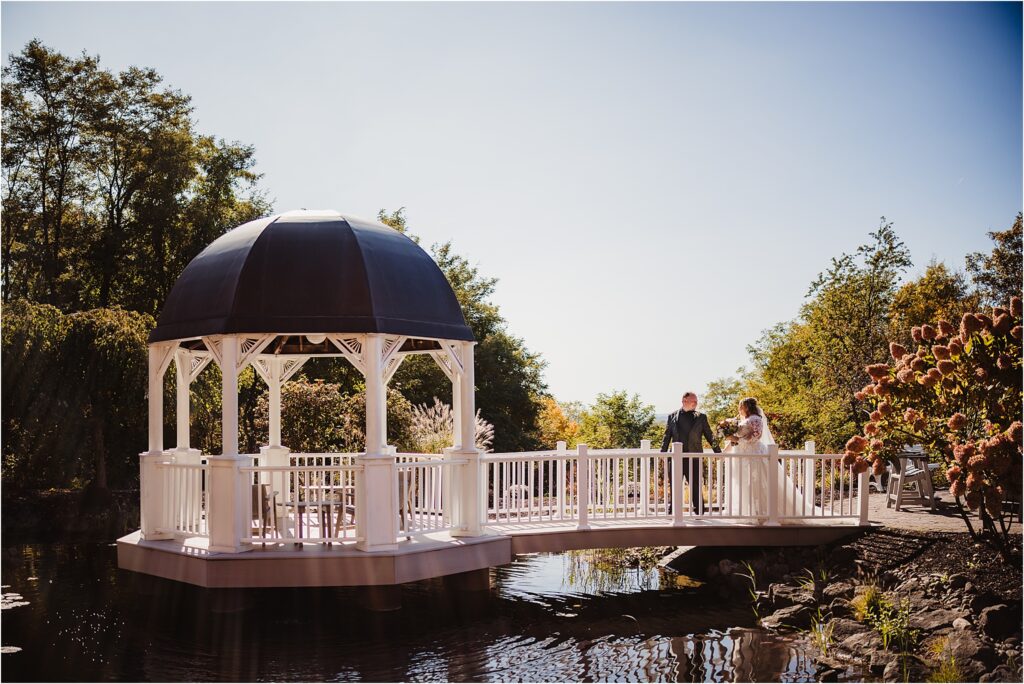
pixel 959 395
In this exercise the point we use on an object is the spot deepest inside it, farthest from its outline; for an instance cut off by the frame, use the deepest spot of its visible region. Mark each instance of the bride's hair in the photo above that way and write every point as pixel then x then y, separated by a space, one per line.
pixel 749 406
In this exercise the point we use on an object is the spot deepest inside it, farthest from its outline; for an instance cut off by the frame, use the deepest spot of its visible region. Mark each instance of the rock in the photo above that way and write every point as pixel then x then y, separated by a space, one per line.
pixel 711 571
pixel 844 627
pixel 728 567
pixel 999 621
pixel 784 595
pixel 843 590
pixel 829 675
pixel 798 617
pixel 957 581
pixel 961 623
pixel 934 619
pixel 840 608
pixel 965 645
pixel 983 600
pixel 969 588
pixel 880 662
pixel 842 556
pixel 904 669
pixel 1000 674
pixel 862 643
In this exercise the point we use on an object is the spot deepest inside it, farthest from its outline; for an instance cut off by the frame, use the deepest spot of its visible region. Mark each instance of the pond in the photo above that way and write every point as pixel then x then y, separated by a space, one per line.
pixel 70 615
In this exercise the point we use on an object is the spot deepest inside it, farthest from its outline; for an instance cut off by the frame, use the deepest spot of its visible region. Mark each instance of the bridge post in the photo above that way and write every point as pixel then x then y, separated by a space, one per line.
pixel 583 486
pixel 677 484
pixel 809 474
pixel 862 496
pixel 560 470
pixel 773 484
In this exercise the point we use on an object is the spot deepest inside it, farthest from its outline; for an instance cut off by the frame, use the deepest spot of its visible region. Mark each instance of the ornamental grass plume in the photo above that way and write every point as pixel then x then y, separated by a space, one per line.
pixel 432 429
pixel 956 421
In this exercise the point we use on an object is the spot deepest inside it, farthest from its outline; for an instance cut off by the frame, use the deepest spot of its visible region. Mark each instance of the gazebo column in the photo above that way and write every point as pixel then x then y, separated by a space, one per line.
pixel 471 490
pixel 377 483
pixel 183 453
pixel 152 509
pixel 227 490
pixel 274 454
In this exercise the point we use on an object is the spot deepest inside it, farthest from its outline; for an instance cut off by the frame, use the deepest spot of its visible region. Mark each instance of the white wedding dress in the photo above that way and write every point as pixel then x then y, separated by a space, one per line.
pixel 746 477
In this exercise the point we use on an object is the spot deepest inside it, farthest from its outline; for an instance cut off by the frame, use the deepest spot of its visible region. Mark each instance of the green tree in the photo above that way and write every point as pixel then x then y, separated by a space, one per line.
pixel 721 398
pixel 509 380
pixel 937 294
pixel 997 275
pixel 617 421
pixel 108 191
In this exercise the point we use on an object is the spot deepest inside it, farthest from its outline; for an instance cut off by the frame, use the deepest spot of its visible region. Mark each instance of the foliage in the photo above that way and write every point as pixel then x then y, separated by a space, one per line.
pixel 867 602
pixel 508 376
pixel 937 294
pixel 617 421
pixel 316 417
pixel 959 394
pixel 720 399
pixel 108 190
pixel 998 274
pixel 73 389
pixel 554 425
pixel 432 429
pixel 948 670
pixel 821 631
pixel 807 370
pixel 892 622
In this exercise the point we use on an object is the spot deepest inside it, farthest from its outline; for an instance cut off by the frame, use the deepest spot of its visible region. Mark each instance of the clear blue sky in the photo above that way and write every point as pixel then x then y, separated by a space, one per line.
pixel 615 165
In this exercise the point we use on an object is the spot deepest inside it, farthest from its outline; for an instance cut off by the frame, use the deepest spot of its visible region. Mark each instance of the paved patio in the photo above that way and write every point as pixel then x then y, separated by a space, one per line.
pixel 920 518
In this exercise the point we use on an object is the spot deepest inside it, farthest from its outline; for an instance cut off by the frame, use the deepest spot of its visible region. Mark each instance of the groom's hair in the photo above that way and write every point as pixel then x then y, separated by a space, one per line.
pixel 687 395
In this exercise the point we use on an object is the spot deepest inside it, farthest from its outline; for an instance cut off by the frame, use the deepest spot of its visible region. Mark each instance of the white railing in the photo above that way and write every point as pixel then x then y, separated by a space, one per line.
pixel 424 494
pixel 586 486
pixel 300 504
pixel 184 498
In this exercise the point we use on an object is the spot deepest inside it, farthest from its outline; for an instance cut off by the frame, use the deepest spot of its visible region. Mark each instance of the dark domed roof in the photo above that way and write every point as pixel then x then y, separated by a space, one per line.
pixel 312 272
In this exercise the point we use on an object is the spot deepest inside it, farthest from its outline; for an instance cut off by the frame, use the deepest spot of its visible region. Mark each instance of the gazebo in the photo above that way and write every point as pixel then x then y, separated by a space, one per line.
pixel 273 293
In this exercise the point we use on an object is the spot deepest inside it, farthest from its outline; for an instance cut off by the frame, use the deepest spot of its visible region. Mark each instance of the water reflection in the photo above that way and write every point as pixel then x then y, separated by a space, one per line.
pixel 548 617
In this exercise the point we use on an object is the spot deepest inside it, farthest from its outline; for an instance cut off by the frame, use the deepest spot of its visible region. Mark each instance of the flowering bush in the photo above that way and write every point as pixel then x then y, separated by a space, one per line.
pixel 959 395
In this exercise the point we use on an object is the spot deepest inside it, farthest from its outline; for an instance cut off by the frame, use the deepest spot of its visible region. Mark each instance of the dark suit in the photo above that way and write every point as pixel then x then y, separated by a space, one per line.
pixel 690 428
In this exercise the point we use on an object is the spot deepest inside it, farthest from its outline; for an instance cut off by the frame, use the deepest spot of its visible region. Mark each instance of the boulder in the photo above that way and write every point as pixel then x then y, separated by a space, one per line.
pixel 961 623
pixel 957 581
pixel 931 620
pixel 966 646
pixel 728 567
pixel 862 644
pixel 999 621
pixel 983 600
pixel 904 669
pixel 843 590
pixel 843 628
pixel 784 595
pixel 842 556
pixel 840 608
pixel 1001 674
pixel 797 617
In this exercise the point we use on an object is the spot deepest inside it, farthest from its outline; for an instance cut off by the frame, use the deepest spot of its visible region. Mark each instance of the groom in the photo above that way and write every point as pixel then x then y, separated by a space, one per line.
pixel 689 426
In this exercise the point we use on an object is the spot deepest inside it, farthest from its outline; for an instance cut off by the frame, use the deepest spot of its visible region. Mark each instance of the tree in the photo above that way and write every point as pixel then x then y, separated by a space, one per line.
pixel 554 425
pixel 509 378
pixel 937 294
pixel 617 421
pixel 721 398
pixel 805 372
pixel 997 275
pixel 960 395
pixel 108 192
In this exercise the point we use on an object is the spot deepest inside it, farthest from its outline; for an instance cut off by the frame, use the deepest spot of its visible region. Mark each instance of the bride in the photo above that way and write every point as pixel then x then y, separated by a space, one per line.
pixel 747 478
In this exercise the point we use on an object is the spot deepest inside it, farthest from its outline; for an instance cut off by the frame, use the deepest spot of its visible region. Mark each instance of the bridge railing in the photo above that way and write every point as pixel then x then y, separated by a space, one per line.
pixel 587 486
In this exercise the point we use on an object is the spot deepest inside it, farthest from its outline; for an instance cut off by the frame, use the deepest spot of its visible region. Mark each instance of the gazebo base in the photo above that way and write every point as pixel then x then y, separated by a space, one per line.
pixel 312 565
pixel 437 555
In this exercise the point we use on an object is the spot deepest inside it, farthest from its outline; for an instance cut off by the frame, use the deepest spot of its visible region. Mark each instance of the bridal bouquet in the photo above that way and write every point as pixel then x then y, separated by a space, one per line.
pixel 727 428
